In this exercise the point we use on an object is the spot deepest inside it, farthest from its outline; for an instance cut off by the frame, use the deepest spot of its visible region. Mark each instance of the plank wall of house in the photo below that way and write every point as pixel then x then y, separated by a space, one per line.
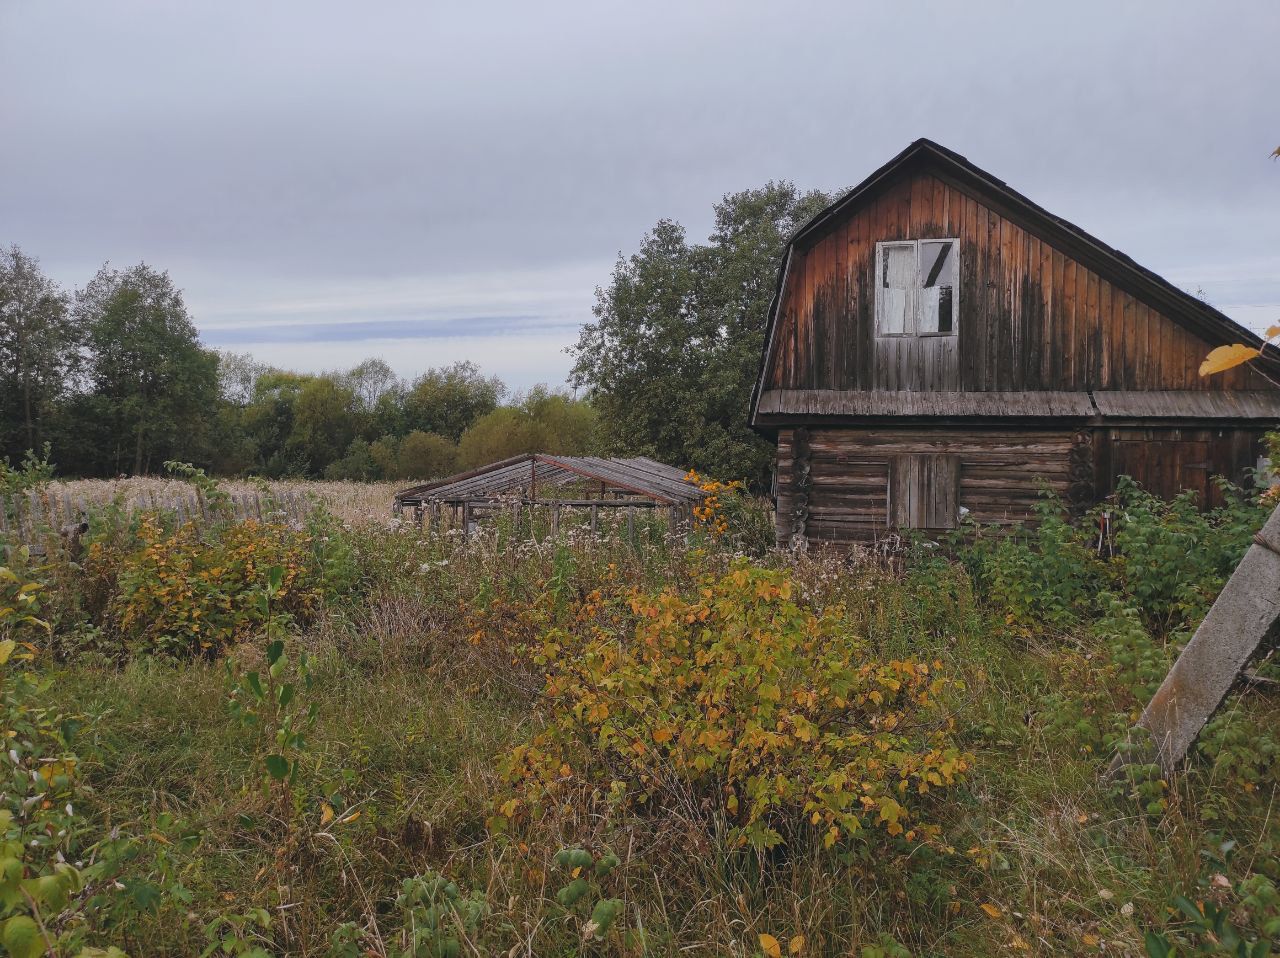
pixel 939 346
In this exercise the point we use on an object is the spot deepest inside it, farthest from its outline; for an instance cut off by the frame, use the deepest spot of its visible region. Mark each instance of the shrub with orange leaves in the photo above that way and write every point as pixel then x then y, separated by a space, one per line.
pixel 710 513
pixel 738 698
pixel 189 592
pixel 731 517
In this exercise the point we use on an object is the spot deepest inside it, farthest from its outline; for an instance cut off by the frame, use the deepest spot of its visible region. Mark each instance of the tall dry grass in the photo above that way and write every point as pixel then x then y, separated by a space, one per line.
pixel 354 502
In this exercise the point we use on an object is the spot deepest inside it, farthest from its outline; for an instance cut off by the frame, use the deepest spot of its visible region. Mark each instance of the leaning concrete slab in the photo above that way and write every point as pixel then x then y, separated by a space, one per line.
pixel 1240 622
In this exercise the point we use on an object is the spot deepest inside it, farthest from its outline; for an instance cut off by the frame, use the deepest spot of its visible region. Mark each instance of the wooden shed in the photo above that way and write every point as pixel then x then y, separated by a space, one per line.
pixel 939 345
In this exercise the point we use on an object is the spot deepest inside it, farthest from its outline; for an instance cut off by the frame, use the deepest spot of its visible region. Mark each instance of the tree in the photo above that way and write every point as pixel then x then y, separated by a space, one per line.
pixel 238 375
pixel 505 432
pixel 544 421
pixel 357 464
pixel 383 452
pixel 324 422
pixel 446 401
pixel 566 426
pixel 268 420
pixel 425 455
pixel 38 350
pixel 370 381
pixel 672 355
pixel 151 383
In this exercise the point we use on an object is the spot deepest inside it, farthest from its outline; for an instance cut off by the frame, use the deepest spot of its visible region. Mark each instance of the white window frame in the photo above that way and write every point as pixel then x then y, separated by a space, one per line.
pixel 913 313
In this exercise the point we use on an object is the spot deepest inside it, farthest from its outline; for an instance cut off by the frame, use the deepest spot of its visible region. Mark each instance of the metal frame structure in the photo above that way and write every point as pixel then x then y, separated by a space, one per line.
pixel 522 482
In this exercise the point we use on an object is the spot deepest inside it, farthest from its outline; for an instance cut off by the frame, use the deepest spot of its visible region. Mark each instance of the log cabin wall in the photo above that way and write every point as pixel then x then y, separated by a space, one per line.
pixel 847 473
pixel 847 497
pixel 1029 317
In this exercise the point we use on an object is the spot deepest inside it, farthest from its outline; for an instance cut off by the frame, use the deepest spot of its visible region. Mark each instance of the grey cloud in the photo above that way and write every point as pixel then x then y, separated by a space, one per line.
pixel 259 150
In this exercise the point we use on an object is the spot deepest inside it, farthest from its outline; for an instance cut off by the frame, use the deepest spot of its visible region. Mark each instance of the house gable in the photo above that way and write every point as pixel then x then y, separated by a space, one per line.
pixel 1042 305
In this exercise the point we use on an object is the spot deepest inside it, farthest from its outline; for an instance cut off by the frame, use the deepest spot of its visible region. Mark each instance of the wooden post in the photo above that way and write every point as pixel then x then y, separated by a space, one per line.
pixel 594 513
pixel 631 524
pixel 33 510
pixel 1241 619
pixel 555 521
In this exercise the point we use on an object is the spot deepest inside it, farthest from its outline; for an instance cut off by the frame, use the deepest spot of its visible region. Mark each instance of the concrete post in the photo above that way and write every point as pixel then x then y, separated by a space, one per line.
pixel 1238 624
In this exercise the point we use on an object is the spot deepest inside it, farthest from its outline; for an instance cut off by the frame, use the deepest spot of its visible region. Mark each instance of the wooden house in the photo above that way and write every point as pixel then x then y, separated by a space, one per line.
pixel 939 345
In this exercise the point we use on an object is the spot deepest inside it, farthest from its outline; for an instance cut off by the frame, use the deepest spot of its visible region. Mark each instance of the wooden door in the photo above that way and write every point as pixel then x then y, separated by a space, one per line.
pixel 924 491
pixel 1165 467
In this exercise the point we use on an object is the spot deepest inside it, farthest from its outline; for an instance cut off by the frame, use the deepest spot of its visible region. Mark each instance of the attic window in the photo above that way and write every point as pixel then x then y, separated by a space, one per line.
pixel 916 287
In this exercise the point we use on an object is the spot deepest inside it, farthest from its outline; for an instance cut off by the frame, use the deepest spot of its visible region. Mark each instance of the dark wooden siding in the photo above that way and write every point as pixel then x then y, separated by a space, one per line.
pixel 1029 318
pixel 1168 460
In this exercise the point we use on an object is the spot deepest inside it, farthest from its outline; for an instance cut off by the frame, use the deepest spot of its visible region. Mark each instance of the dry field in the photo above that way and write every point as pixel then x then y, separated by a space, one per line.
pixel 356 502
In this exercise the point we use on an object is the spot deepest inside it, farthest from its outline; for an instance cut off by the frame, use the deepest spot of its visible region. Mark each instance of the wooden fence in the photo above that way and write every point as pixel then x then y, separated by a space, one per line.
pixel 31 518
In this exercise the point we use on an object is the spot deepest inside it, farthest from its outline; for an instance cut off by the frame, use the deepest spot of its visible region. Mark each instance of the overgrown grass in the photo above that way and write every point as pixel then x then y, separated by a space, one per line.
pixel 423 686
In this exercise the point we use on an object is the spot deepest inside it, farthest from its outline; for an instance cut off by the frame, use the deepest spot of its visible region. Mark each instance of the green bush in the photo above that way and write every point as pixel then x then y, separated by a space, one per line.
pixel 63 885
pixel 1172 558
pixel 1168 559
pixel 1101 688
pixel 738 697
pixel 1048 574
pixel 187 593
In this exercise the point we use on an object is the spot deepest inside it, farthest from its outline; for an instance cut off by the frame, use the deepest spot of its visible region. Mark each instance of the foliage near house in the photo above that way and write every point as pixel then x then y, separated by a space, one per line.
pixel 400 743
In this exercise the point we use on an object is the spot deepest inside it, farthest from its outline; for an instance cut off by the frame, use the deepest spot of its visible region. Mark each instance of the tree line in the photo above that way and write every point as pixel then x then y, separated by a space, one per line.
pixel 114 378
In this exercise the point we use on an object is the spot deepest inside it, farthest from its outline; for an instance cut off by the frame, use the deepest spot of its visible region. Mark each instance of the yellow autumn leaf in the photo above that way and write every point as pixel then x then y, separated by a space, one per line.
pixel 796 945
pixel 770 946
pixel 1272 332
pixel 350 818
pixel 1090 940
pixel 662 735
pixel 1227 357
pixel 6 650
pixel 993 911
pixel 326 814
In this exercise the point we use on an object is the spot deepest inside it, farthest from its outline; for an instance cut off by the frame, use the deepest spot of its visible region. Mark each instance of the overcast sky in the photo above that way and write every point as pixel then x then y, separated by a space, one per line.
pixel 436 181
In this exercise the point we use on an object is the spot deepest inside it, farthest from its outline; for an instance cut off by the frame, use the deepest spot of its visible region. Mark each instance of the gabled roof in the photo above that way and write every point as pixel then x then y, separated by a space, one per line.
pixel 637 476
pixel 1194 314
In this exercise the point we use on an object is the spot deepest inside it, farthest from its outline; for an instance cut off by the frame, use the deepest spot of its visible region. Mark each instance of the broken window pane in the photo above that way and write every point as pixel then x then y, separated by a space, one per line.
pixel 938 275
pixel 897 282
